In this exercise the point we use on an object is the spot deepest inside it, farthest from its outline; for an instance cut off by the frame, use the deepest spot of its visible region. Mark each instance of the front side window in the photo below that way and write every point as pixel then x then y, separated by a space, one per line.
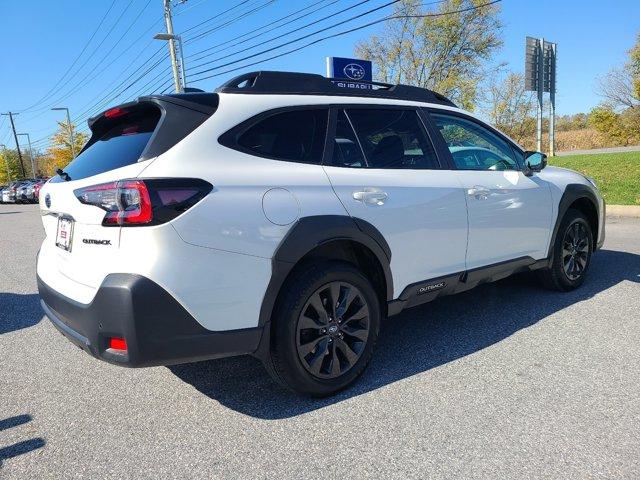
pixel 296 136
pixel 393 138
pixel 474 147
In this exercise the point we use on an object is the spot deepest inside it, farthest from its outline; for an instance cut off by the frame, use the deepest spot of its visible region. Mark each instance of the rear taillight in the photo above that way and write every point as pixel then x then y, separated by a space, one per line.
pixel 144 202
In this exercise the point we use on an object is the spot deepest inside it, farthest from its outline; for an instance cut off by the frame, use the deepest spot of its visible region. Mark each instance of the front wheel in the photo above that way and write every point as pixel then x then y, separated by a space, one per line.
pixel 324 329
pixel 571 253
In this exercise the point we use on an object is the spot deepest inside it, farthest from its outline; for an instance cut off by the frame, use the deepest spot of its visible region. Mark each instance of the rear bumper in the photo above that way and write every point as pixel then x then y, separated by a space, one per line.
pixel 157 329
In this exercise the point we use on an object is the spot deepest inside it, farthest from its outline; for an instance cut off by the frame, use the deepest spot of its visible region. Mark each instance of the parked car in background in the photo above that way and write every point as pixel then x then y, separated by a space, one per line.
pixel 36 189
pixel 9 193
pixel 21 191
pixel 2 187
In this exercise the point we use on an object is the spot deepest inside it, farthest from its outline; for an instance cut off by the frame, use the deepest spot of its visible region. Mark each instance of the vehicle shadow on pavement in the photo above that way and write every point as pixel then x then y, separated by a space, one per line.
pixel 22 447
pixel 18 311
pixel 415 341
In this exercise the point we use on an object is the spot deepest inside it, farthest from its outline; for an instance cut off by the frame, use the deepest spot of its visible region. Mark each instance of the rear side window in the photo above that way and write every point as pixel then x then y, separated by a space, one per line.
pixel 346 149
pixel 119 143
pixel 393 138
pixel 295 136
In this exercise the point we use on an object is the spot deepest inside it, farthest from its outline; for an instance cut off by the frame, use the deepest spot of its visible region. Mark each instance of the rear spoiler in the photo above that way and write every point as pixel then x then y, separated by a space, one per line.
pixel 178 115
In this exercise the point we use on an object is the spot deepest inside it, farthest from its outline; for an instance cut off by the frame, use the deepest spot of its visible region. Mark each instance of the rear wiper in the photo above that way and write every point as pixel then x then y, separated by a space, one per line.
pixel 64 175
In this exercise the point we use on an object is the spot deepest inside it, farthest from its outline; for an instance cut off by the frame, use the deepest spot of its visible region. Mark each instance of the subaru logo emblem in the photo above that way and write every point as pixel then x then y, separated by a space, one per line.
pixel 47 200
pixel 354 71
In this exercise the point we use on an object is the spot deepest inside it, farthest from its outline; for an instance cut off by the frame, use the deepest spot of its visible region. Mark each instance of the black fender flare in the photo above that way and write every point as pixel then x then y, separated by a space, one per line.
pixel 573 192
pixel 311 232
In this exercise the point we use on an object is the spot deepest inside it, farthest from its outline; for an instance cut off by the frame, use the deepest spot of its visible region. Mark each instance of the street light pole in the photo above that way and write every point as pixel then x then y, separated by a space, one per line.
pixel 71 136
pixel 181 69
pixel 33 165
pixel 172 45
pixel 6 160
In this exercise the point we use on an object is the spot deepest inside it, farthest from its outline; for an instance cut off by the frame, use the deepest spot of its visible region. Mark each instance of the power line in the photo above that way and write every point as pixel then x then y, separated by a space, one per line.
pixel 75 60
pixel 93 52
pixel 83 82
pixel 230 22
pixel 303 37
pixel 215 17
pixel 345 32
pixel 235 39
pixel 106 100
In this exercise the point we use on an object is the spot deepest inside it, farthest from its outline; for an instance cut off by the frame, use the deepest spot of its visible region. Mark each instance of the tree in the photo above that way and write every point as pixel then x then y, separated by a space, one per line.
pixel 621 86
pixel 447 53
pixel 614 125
pixel 619 116
pixel 9 160
pixel 510 108
pixel 60 153
pixel 634 67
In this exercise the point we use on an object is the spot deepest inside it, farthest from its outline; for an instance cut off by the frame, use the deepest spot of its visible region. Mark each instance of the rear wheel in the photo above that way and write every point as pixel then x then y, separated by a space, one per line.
pixel 324 329
pixel 571 253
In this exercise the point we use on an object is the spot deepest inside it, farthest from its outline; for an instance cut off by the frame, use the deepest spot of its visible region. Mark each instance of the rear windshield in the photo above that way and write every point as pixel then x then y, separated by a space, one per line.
pixel 117 145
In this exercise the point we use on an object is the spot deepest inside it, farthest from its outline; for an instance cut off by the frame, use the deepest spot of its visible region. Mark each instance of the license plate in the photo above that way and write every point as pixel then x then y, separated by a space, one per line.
pixel 64 233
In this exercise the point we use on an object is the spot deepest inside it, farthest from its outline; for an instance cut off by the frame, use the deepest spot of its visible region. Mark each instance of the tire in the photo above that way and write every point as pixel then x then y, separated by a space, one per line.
pixel 324 350
pixel 564 274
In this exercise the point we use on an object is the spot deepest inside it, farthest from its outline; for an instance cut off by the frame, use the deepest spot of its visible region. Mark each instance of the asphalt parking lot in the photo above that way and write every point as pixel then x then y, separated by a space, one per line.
pixel 506 381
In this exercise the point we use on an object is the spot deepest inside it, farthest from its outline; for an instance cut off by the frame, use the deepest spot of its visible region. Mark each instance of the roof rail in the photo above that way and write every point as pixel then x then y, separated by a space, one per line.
pixel 294 83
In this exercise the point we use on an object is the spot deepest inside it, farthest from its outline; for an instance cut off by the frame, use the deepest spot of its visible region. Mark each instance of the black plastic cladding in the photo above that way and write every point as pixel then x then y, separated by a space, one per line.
pixel 311 232
pixel 158 330
pixel 295 83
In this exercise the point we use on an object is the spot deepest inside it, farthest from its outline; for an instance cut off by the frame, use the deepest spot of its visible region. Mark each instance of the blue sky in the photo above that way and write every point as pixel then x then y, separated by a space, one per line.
pixel 43 38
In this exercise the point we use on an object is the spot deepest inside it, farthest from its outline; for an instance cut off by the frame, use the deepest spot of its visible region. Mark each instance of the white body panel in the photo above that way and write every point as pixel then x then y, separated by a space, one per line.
pixel 510 216
pixel 423 218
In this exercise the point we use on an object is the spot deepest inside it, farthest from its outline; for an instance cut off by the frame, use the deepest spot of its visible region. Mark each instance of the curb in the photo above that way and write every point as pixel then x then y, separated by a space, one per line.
pixel 629 211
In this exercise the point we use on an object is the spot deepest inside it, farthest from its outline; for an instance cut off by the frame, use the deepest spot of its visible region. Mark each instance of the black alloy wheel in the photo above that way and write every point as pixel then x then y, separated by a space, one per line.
pixel 575 250
pixel 570 253
pixel 332 330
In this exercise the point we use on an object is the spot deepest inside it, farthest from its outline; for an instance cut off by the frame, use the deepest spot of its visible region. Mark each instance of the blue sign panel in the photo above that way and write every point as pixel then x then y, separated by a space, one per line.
pixel 349 69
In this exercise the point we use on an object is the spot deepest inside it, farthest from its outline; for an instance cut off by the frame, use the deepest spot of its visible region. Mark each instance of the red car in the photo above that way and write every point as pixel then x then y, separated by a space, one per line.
pixel 36 189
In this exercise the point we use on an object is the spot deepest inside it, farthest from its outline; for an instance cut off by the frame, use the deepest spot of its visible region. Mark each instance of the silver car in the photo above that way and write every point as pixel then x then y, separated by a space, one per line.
pixel 9 193
pixel 24 193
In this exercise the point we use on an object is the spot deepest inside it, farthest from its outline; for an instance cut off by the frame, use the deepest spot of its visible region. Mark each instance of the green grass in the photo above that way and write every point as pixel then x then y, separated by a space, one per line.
pixel 617 174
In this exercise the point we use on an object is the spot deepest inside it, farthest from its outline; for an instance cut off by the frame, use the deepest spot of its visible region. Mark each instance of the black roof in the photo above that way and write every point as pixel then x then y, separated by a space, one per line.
pixel 293 83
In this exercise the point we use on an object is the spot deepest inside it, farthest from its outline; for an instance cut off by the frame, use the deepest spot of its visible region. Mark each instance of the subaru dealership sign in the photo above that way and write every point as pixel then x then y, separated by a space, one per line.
pixel 347 71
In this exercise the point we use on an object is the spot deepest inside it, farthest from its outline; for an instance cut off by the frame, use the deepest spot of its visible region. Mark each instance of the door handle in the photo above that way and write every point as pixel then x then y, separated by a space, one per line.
pixel 479 192
pixel 371 197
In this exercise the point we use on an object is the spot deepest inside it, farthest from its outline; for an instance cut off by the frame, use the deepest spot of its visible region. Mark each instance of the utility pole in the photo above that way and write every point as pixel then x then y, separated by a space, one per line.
pixel 172 46
pixel 71 137
pixel 33 164
pixel 6 160
pixel 15 137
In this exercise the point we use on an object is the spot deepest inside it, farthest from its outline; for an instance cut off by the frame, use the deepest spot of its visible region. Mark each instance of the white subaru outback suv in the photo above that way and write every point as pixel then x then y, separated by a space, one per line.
pixel 285 214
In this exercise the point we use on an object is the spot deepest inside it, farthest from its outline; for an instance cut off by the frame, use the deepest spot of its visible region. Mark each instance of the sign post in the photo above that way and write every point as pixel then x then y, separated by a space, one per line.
pixel 540 77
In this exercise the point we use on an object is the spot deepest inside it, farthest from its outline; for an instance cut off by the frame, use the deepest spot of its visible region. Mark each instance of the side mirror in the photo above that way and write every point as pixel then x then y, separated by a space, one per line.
pixel 534 161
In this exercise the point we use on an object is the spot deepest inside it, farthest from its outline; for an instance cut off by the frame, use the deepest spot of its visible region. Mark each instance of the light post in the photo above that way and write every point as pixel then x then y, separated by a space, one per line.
pixel 170 37
pixel 73 141
pixel 6 160
pixel 33 165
